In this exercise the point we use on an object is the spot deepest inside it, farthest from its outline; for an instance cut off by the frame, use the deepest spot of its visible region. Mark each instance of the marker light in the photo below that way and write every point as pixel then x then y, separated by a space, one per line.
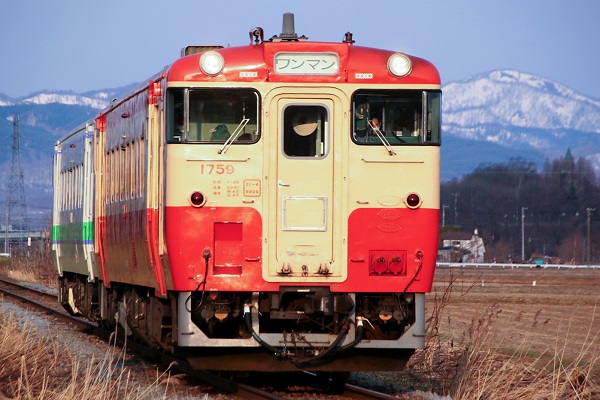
pixel 412 200
pixel 197 199
pixel 399 64
pixel 211 63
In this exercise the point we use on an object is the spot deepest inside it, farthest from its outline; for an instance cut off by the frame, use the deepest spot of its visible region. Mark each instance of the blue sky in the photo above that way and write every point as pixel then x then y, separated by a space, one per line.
pixel 83 45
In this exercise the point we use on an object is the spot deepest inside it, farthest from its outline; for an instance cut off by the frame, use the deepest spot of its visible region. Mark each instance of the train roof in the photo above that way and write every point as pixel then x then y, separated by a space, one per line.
pixel 289 58
pixel 258 63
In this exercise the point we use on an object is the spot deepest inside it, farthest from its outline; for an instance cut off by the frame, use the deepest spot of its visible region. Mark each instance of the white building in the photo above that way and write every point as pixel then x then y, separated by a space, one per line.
pixel 462 247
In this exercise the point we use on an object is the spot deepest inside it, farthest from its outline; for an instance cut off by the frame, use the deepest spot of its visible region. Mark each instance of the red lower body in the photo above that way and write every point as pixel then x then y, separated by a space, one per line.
pixel 406 240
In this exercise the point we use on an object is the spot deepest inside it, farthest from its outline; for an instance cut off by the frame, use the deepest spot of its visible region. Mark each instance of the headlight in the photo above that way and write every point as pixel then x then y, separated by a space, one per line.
pixel 211 63
pixel 399 64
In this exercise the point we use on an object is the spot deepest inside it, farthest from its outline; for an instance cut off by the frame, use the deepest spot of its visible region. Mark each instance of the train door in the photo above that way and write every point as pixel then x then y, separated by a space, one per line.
pixel 304 217
pixel 88 202
pixel 155 193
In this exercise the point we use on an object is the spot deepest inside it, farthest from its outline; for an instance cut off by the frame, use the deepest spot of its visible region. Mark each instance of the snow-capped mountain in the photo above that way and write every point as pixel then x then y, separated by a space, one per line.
pixel 43 118
pixel 96 99
pixel 5 100
pixel 533 116
pixel 99 101
pixel 57 111
pixel 517 99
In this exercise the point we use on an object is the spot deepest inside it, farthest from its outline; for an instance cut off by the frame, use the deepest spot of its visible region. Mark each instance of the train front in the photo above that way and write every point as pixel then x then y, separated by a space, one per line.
pixel 301 203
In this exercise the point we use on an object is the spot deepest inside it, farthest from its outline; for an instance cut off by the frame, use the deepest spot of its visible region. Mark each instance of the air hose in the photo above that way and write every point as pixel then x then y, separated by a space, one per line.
pixel 248 319
pixel 333 348
pixel 358 337
pixel 329 350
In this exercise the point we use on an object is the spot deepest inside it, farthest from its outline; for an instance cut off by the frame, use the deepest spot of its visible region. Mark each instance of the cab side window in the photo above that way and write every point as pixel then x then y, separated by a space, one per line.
pixel 398 117
pixel 212 115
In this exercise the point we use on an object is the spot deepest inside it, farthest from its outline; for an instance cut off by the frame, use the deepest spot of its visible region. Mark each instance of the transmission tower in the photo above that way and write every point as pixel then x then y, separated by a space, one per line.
pixel 16 208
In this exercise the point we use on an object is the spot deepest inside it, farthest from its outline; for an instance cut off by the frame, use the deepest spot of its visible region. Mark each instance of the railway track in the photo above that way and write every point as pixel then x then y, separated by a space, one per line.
pixel 40 300
pixel 46 303
pixel 353 392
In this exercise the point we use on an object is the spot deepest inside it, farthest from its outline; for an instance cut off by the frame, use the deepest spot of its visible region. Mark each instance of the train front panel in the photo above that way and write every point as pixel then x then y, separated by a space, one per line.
pixel 288 210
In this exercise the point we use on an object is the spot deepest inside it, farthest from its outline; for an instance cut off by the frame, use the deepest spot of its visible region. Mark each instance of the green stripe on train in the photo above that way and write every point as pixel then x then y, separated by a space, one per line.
pixel 76 231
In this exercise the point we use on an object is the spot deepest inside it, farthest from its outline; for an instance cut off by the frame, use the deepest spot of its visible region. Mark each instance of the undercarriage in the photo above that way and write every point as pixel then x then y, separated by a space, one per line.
pixel 295 328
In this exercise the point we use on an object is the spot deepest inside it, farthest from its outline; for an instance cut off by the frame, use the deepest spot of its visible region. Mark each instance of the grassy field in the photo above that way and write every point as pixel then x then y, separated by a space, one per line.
pixel 548 309
pixel 514 333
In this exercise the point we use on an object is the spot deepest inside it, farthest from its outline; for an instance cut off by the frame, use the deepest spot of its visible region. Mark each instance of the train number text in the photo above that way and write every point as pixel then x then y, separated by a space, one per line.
pixel 218 169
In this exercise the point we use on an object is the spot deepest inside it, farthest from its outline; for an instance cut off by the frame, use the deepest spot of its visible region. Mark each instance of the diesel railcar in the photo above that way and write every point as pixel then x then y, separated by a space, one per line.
pixel 267 207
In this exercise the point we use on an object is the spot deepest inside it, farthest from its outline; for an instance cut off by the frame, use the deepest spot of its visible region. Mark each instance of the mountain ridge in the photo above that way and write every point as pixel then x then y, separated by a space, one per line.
pixel 96 99
pixel 514 110
pixel 555 104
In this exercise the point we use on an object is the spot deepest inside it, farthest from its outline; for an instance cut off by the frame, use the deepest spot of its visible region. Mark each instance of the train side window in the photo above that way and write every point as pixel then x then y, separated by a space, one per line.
pixel 111 171
pixel 212 115
pixel 80 186
pixel 142 167
pixel 405 117
pixel 305 131
pixel 434 117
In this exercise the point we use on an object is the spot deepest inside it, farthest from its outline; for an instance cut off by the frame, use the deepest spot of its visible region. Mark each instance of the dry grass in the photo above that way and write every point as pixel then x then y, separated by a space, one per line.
pixel 491 369
pixel 484 364
pixel 36 366
pixel 519 374
pixel 38 267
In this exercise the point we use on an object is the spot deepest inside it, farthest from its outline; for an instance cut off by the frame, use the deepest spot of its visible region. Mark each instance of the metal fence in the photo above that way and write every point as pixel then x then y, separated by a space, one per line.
pixel 509 265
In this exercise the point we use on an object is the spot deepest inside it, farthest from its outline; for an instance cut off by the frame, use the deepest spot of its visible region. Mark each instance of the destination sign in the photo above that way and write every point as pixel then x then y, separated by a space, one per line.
pixel 307 64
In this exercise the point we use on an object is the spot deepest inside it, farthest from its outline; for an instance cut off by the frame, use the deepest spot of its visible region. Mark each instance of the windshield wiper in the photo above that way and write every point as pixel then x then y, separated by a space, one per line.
pixel 233 136
pixel 381 138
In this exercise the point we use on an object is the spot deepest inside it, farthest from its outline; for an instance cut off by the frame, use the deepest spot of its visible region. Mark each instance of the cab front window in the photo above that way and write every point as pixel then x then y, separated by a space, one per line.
pixel 398 117
pixel 212 116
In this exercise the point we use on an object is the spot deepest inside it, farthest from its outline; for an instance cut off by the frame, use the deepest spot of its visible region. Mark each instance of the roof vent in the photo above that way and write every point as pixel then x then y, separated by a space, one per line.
pixel 289 32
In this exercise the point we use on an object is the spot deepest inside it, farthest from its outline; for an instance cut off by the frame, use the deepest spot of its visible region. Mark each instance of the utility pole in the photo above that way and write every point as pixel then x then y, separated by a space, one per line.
pixel 455 208
pixel 16 208
pixel 589 212
pixel 444 214
pixel 6 229
pixel 523 233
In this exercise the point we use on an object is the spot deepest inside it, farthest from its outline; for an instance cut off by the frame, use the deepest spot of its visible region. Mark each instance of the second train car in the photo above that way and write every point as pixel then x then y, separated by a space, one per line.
pixel 267 207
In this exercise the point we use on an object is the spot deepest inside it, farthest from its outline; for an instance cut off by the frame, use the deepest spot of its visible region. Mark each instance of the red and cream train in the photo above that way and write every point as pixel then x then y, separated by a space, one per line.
pixel 273 206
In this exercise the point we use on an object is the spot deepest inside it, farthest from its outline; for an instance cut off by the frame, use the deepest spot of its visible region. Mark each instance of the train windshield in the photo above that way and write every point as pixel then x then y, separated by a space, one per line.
pixel 212 115
pixel 398 117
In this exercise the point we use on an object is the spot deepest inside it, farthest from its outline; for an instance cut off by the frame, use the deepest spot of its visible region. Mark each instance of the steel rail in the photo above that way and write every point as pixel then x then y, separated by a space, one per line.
pixel 51 310
pixel 358 393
